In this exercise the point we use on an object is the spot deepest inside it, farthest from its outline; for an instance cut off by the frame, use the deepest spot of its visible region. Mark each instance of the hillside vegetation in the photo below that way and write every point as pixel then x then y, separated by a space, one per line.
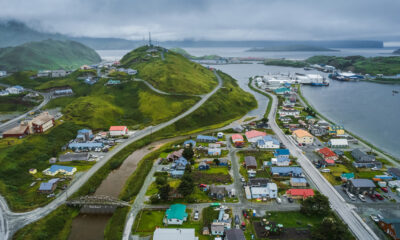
pixel 47 54
pixel 184 53
pixel 174 74
pixel 291 48
pixel 371 65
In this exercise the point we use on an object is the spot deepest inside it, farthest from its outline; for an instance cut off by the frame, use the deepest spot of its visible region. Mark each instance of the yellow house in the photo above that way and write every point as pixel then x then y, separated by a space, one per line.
pixel 302 136
pixel 336 130
pixel 32 171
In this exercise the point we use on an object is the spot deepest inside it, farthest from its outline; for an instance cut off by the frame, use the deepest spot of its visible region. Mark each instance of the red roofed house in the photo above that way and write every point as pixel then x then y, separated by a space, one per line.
pixel 297 193
pixel 253 136
pixel 18 131
pixel 328 156
pixel 118 131
pixel 238 140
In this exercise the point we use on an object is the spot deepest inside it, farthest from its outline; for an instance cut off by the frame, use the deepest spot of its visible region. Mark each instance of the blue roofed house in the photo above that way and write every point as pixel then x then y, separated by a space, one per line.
pixel 282 153
pixel 280 161
pixel 175 215
pixel 298 182
pixel 268 142
pixel 395 172
pixel 113 82
pixel 179 164
pixel 48 187
pixel 203 166
pixel 204 138
pixel 287 171
pixel 55 169
pixel 177 173
pixel 189 143
pixel 214 151
pixel 85 145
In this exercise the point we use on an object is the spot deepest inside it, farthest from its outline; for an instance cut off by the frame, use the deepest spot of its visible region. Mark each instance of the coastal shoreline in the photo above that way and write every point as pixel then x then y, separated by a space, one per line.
pixel 372 146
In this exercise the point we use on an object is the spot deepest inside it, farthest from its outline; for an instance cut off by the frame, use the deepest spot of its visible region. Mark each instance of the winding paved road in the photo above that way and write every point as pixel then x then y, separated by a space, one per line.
pixel 10 221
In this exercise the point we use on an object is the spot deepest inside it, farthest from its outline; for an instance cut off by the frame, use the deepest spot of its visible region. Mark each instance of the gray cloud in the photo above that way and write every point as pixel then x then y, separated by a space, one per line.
pixel 212 19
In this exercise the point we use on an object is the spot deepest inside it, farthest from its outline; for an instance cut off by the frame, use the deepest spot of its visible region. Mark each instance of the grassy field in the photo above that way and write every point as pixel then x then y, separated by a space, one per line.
pixel 285 63
pixel 334 175
pixel 169 75
pixel 55 226
pixel 293 219
pixel 115 226
pixel 15 103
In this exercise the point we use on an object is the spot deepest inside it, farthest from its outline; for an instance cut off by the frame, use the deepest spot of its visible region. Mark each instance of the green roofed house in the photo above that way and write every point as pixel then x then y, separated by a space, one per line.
pixel 175 214
pixel 347 176
pixel 281 91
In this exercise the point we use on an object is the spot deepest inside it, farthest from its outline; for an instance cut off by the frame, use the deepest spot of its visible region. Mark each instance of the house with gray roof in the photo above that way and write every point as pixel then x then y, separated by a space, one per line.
pixel 360 186
pixel 234 234
pixel 362 159
pixel 250 162
pixel 69 156
pixel 217 192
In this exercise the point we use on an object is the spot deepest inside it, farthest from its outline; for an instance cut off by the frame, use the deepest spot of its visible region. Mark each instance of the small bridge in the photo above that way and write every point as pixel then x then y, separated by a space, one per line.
pixel 97 204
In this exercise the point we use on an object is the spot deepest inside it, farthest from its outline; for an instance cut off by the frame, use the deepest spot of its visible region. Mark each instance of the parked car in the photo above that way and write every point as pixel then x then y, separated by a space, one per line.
pixel 374 218
pixel 278 200
pixel 196 215
pixel 242 179
pixel 325 170
pixel 237 219
pixel 378 196
pixel 372 196
pixel 384 189
pixel 351 196
pixel 290 200
pixel 361 197
pixel 244 213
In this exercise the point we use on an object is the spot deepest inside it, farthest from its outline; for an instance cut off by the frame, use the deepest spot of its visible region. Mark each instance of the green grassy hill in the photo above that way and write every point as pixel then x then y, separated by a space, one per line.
pixel 371 65
pixel 47 54
pixel 174 74
pixel 184 53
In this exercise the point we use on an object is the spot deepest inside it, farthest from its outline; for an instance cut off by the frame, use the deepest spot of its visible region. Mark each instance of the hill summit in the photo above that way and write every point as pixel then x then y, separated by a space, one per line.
pixel 47 54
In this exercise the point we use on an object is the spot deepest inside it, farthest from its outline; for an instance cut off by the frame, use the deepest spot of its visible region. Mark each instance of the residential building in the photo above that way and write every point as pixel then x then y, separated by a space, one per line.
pixel 251 173
pixel 223 162
pixel 391 226
pixel 204 138
pixel 238 129
pixel 3 73
pixel 42 123
pixel 58 73
pixel 214 151
pixel 177 173
pixel 336 130
pixel 270 191
pixel 15 89
pixel 234 234
pixel 361 159
pixel 43 73
pixel 268 142
pixel 68 157
pixel 85 67
pixel 253 136
pixel 63 92
pixel 280 161
pixel 116 131
pixel 237 140
pixel 217 228
pixel 217 192
pixel 18 131
pixel 48 187
pixel 288 112
pixel 258 182
pixel 220 134
pixel 338 143
pixel 174 234
pixel 84 135
pixel 283 152
pixel 190 142
pixel 318 131
pixel 287 171
pixel 175 155
pixel 4 93
pixel 175 214
pixel 214 145
pixel 328 156
pixel 303 137
pixel 32 171
pixel 203 166
pixel 250 162
pixel 113 82
pixel 55 169
pixel 323 123
pixel 360 186
pixel 180 164
pixel 85 146
pixel 395 172
pixel 300 193
pixel 298 182
pixel 206 231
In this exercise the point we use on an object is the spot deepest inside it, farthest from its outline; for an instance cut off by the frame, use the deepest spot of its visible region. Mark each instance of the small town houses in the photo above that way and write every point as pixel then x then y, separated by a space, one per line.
pixel 175 215
pixel 237 140
pixel 38 124
pixel 56 169
pixel 268 142
pixel 117 131
pixel 303 137
pixel 253 136
pixel 328 156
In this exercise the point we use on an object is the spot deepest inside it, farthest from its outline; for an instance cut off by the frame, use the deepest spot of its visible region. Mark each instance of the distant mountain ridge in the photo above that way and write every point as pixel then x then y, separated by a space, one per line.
pixel 397 51
pixel 13 33
pixel 291 48
pixel 47 55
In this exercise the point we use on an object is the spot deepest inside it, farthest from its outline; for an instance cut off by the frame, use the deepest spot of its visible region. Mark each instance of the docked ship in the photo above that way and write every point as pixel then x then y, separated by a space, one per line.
pixel 312 79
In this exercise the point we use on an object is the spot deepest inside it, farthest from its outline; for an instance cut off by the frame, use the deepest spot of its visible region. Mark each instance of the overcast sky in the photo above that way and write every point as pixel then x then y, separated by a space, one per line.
pixel 212 19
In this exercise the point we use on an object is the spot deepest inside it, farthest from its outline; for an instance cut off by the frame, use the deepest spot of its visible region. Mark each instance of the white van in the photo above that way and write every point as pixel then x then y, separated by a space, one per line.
pixel 325 170
pixel 278 200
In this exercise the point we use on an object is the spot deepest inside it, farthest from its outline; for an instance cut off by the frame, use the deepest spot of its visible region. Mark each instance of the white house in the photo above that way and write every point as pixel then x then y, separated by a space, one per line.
pixel 15 89
pixel 338 143
pixel 176 214
pixel 270 191
pixel 280 161
pixel 284 113
pixel 118 131
pixel 56 169
pixel 268 142
pixel 174 234
pixel 4 93
pixel 3 73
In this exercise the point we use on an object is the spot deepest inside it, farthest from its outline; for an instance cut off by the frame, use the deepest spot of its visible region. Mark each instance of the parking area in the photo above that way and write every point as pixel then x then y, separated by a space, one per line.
pixel 389 197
